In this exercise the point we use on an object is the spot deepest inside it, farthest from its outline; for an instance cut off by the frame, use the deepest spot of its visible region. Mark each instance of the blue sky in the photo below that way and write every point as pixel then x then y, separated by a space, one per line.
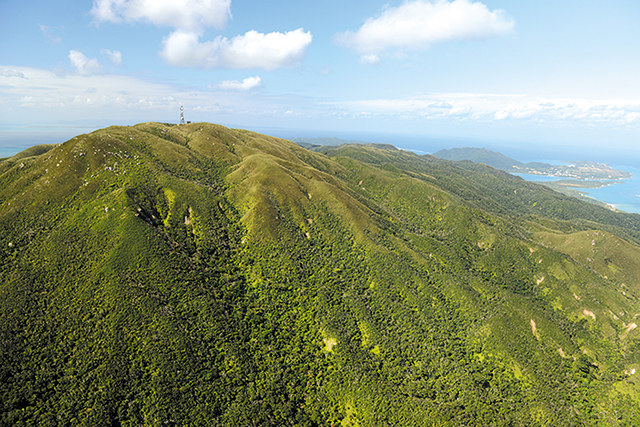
pixel 547 73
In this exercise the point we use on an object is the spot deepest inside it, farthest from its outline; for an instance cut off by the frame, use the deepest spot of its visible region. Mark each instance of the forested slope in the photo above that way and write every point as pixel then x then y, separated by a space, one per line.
pixel 198 275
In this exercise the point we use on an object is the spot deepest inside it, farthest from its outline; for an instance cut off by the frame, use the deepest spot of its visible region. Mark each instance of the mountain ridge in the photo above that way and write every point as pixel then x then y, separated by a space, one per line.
pixel 195 274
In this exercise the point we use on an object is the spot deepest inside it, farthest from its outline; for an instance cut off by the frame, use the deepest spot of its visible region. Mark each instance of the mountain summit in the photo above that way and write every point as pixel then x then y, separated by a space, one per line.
pixel 198 275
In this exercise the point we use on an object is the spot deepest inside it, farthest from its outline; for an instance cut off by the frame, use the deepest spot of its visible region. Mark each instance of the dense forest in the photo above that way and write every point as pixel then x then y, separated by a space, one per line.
pixel 196 275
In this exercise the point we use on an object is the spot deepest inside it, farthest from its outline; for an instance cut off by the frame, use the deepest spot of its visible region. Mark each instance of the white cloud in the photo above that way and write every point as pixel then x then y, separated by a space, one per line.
pixel 191 15
pixel 190 18
pixel 418 24
pixel 251 50
pixel 50 33
pixel 81 96
pixel 370 59
pixel 114 55
pixel 11 72
pixel 84 65
pixel 246 84
pixel 441 104
pixel 503 108
pixel 44 95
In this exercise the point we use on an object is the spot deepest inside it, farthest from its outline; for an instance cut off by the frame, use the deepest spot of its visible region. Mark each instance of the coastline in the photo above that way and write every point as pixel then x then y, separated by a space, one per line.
pixel 619 198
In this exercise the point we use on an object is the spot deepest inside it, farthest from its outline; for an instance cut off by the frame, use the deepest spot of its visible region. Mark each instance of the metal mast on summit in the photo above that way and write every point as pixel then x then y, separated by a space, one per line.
pixel 181 115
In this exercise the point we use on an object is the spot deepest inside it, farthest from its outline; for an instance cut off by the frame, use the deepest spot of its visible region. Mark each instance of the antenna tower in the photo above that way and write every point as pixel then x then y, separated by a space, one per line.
pixel 181 115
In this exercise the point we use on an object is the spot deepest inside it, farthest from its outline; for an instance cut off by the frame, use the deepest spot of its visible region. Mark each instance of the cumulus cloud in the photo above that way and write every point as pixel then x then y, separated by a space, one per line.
pixel 246 84
pixel 84 65
pixel 114 55
pixel 190 18
pixel 418 24
pixel 191 15
pixel 251 50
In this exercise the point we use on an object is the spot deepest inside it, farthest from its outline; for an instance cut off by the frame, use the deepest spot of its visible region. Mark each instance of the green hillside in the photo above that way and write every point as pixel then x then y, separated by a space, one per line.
pixel 196 275
pixel 480 155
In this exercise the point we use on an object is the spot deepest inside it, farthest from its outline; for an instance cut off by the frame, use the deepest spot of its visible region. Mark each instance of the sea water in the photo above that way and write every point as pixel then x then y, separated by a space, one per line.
pixel 16 138
pixel 623 194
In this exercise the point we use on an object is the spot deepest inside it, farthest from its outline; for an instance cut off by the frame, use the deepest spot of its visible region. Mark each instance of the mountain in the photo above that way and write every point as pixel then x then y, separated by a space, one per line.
pixel 197 275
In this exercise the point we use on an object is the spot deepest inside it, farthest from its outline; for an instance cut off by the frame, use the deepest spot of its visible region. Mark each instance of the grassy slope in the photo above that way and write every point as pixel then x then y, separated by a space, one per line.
pixel 200 275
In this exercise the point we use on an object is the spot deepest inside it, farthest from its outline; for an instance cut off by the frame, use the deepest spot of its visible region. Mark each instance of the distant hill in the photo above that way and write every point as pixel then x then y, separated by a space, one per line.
pixel 197 275
pixel 479 155
pixel 316 142
pixel 576 170
pixel 320 144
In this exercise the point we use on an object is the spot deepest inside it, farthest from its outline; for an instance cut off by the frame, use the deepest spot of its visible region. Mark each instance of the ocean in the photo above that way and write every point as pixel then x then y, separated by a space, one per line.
pixel 15 139
pixel 624 194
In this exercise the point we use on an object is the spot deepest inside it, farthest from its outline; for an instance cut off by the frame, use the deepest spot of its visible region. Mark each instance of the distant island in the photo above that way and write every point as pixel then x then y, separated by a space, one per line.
pixel 581 170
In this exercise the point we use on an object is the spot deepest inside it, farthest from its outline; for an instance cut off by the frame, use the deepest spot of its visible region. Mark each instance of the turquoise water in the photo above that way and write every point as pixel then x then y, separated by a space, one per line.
pixel 624 195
